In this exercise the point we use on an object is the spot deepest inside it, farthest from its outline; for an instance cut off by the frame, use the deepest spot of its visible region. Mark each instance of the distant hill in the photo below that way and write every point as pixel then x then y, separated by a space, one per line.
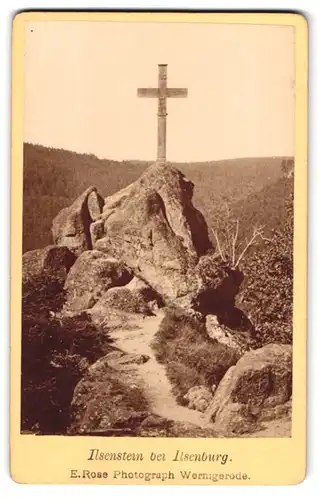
pixel 266 207
pixel 53 178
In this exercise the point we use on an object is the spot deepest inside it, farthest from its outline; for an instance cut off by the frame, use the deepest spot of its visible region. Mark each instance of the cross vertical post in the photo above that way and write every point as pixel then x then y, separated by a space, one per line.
pixel 161 93
pixel 161 114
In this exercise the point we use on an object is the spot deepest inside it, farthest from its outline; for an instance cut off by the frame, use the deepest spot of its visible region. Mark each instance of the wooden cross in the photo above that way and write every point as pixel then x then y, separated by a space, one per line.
pixel 162 92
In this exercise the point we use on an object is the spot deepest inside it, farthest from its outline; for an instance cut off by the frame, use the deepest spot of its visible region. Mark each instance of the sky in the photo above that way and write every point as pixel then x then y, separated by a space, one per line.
pixel 81 81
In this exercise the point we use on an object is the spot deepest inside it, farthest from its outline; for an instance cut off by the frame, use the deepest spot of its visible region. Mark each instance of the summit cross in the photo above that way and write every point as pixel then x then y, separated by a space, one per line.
pixel 161 93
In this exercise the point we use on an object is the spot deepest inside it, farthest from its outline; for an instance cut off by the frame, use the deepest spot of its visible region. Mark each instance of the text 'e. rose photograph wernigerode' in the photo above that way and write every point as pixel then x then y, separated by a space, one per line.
pixel 157 284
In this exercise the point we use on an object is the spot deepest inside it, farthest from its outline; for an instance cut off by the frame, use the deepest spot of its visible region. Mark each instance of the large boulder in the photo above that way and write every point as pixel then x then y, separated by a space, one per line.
pixel 154 228
pixel 90 277
pixel 198 397
pixel 135 298
pixel 71 227
pixel 51 263
pixel 107 401
pixel 253 390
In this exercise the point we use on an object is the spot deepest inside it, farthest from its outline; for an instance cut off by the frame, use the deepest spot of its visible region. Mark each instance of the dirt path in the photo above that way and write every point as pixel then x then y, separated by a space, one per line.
pixel 151 375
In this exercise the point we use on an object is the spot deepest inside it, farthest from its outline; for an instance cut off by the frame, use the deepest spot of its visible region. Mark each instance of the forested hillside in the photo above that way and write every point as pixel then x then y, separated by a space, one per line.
pixel 53 178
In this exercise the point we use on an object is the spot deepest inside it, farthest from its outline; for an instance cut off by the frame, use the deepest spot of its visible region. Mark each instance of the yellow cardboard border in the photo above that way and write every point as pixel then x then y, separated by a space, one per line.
pixel 275 461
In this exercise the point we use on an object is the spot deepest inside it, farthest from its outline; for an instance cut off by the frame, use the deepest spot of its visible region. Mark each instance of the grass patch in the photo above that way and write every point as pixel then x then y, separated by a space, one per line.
pixel 191 357
pixel 126 300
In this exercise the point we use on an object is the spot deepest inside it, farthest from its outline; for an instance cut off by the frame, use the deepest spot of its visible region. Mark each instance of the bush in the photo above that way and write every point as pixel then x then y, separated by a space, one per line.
pixel 41 296
pixel 212 270
pixel 268 293
pixel 55 355
pixel 191 357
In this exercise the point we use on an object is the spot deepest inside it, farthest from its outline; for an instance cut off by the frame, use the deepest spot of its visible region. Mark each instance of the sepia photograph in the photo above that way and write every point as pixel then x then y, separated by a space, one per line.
pixel 158 229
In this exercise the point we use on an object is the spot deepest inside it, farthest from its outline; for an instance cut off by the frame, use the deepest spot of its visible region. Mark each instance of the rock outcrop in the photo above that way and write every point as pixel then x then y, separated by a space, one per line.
pixel 71 227
pixel 90 277
pixel 154 228
pixel 51 263
pixel 151 226
pixel 253 390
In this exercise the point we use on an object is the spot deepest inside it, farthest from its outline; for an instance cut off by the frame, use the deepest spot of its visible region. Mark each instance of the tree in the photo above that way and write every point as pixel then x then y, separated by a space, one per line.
pixel 228 247
pixel 287 167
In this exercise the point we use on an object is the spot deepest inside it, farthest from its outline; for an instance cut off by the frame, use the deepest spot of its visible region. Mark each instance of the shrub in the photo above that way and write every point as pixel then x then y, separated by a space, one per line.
pixel 212 360
pixel 47 390
pixel 212 270
pixel 268 293
pixel 41 296
pixel 55 356
pixel 191 357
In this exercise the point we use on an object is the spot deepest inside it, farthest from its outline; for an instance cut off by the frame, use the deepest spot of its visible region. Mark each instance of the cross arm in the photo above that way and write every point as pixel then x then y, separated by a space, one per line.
pixel 176 92
pixel 147 92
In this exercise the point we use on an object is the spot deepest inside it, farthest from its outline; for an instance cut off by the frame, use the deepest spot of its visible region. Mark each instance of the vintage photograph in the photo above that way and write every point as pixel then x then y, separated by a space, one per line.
pixel 158 216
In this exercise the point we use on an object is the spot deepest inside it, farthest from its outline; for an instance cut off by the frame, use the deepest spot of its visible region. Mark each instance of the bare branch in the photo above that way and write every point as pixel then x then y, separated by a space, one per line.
pixel 266 239
pixel 218 245
pixel 259 233
pixel 215 255
pixel 234 241
pixel 228 239
pixel 255 235
pixel 259 229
